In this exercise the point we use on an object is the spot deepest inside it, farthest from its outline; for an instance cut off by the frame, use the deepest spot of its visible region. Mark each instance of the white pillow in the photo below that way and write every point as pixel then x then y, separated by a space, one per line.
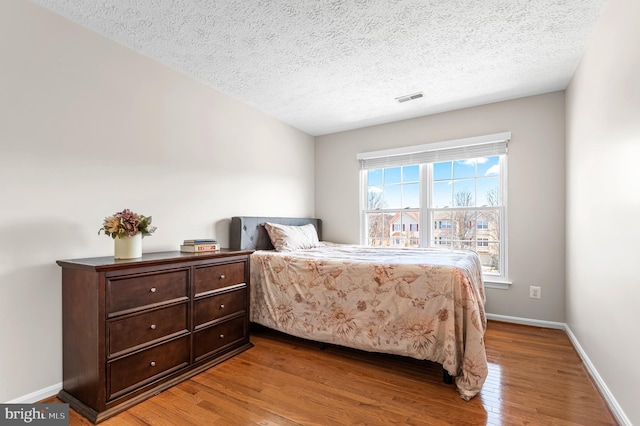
pixel 289 238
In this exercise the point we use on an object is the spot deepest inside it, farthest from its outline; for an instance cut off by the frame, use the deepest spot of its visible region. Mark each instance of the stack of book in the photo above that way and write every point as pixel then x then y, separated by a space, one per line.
pixel 199 245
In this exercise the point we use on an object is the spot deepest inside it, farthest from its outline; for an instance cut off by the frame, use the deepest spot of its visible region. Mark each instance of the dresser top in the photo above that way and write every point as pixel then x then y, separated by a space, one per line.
pixel 147 259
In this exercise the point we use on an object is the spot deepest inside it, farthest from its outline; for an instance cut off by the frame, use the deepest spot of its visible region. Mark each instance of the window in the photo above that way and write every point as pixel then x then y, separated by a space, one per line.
pixel 456 192
pixel 442 241
pixel 466 195
pixel 442 224
pixel 393 202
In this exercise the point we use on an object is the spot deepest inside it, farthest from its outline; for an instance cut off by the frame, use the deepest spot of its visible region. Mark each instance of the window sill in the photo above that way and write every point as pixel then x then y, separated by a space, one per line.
pixel 499 284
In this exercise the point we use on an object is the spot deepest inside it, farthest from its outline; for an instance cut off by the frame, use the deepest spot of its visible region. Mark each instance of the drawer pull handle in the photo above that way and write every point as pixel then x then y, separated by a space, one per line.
pixel 222 277
pixel 153 326
pixel 152 363
pixel 152 290
pixel 222 306
pixel 222 336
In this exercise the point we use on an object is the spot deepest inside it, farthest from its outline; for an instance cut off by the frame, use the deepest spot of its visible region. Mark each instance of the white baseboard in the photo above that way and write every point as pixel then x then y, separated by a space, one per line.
pixel 610 400
pixel 615 408
pixel 38 395
pixel 527 321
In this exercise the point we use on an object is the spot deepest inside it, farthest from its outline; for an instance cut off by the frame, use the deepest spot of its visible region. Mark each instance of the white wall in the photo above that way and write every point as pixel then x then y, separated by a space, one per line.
pixel 536 195
pixel 87 128
pixel 603 203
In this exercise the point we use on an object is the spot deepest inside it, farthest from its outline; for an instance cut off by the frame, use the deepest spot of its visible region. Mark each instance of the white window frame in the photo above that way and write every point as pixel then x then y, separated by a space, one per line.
pixel 427 212
pixel 426 155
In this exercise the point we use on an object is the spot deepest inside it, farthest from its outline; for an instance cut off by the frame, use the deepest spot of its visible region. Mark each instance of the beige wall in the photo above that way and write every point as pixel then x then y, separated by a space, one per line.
pixel 603 203
pixel 536 194
pixel 87 128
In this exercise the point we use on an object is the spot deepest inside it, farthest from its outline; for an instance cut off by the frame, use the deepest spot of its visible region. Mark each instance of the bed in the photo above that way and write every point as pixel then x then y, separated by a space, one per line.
pixel 426 304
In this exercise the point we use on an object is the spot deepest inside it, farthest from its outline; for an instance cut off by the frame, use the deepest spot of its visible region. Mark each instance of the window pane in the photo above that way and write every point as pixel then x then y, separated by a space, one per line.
pixel 464 169
pixel 374 198
pixel 492 220
pixel 411 173
pixel 393 197
pixel 464 229
pixel 490 258
pixel 489 166
pixel 374 177
pixel 379 228
pixel 404 229
pixel 442 171
pixel 464 193
pixel 387 229
pixel 392 175
pixel 411 195
pixel 374 228
pixel 488 191
pixel 397 236
pixel 442 232
pixel 442 195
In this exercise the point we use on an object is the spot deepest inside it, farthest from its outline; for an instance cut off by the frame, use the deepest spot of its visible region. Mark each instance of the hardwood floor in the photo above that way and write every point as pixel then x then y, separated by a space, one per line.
pixel 535 378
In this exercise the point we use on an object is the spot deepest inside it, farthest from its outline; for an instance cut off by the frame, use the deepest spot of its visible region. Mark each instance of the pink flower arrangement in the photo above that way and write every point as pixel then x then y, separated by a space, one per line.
pixel 127 224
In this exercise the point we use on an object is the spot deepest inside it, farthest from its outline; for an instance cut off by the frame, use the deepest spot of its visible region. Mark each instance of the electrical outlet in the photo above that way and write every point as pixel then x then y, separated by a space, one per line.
pixel 534 292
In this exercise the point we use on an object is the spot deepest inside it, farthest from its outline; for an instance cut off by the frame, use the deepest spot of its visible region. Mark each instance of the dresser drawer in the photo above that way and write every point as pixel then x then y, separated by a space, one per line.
pixel 209 340
pixel 129 332
pixel 214 307
pixel 134 292
pixel 141 368
pixel 215 277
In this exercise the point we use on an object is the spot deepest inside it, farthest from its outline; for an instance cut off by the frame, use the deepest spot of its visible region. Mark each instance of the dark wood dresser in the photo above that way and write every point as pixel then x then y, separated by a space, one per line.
pixel 132 328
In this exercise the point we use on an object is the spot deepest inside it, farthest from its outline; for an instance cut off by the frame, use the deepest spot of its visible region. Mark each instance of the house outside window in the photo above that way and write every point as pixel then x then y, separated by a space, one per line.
pixel 453 198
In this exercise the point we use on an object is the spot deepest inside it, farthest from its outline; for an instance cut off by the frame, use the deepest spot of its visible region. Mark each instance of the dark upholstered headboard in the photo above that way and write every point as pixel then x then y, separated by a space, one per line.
pixel 248 232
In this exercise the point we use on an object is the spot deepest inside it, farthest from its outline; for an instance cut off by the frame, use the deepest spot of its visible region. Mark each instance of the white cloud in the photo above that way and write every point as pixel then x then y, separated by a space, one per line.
pixel 493 170
pixel 472 161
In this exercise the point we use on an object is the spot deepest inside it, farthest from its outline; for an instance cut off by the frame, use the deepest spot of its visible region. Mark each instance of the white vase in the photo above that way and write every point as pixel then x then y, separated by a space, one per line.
pixel 128 247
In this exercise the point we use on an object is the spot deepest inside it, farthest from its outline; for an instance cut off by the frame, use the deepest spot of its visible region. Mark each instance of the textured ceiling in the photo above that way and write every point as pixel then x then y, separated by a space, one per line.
pixel 328 66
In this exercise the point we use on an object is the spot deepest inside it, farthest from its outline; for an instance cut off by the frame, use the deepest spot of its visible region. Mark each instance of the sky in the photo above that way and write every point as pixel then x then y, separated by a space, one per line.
pixel 400 186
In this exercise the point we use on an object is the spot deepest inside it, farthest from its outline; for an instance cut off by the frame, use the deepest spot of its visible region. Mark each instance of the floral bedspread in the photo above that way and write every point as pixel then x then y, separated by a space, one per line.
pixel 423 303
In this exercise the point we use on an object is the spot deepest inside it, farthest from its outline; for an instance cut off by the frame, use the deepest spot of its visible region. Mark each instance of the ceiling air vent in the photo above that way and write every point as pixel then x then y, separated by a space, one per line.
pixel 406 98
